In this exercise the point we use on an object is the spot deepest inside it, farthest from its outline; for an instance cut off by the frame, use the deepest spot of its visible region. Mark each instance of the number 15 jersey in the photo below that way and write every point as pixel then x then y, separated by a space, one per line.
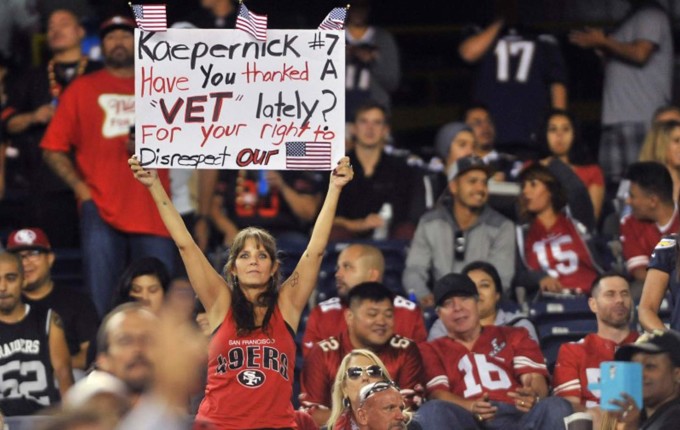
pixel 493 365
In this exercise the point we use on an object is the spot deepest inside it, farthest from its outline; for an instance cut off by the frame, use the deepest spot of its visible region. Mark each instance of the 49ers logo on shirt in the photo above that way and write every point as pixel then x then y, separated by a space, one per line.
pixel 252 359
pixel 251 378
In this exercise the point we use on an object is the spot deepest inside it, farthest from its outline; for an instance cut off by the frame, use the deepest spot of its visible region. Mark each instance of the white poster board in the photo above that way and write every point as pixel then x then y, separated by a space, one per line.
pixel 218 99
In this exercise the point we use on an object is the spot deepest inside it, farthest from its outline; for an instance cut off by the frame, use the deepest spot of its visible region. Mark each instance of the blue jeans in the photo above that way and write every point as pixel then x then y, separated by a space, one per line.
pixel 107 251
pixel 548 414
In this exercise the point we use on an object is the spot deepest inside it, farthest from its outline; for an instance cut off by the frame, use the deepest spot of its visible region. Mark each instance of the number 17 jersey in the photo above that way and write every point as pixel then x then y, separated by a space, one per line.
pixel 493 366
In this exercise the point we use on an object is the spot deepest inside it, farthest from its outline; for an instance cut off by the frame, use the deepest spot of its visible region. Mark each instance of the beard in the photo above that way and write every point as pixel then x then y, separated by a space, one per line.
pixel 119 58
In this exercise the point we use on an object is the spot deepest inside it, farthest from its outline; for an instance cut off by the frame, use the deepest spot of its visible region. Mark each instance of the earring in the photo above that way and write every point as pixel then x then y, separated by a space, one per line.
pixel 345 403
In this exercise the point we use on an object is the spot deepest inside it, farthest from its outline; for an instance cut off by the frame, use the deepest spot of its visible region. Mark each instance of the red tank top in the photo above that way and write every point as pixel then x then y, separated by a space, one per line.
pixel 250 378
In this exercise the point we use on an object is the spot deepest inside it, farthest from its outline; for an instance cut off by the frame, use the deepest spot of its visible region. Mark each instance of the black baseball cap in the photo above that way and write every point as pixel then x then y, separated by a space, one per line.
pixel 453 284
pixel 656 342
pixel 465 164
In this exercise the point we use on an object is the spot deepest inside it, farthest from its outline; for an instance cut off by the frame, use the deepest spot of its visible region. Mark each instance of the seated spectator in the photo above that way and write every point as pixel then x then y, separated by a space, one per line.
pixel 578 363
pixel 653 214
pixel 659 355
pixel 378 200
pixel 77 312
pixel 662 277
pixel 381 407
pixel 357 369
pixel 490 292
pixel 146 281
pixel 444 238
pixel 35 354
pixel 662 145
pixel 491 377
pixel 284 203
pixel 370 325
pixel 553 247
pixel 453 141
pixel 359 263
pixel 506 167
pixel 561 138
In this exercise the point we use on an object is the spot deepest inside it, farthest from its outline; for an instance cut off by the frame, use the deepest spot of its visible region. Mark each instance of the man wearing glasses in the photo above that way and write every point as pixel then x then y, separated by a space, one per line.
pixel 75 309
pixel 370 325
pixel 490 377
pixel 443 238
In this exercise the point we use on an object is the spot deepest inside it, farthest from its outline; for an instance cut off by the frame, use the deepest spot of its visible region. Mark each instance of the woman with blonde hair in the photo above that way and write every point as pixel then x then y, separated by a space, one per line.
pixel 662 144
pixel 357 369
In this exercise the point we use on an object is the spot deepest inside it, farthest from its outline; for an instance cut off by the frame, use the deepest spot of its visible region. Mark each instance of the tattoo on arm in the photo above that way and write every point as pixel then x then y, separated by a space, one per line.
pixel 294 280
pixel 62 165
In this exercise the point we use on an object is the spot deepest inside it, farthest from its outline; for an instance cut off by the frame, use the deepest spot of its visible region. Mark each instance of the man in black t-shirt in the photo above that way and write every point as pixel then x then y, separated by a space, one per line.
pixel 76 310
pixel 378 201
pixel 33 345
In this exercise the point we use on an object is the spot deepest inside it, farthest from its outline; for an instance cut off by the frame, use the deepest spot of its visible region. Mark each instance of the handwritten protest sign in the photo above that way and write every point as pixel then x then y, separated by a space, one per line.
pixel 217 99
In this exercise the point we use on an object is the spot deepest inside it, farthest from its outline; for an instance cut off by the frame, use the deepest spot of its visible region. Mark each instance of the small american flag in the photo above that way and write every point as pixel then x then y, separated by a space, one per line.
pixel 335 20
pixel 150 17
pixel 252 23
pixel 308 155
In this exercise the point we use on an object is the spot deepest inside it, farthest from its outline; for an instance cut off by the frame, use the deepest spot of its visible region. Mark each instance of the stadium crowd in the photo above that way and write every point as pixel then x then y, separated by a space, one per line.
pixel 481 287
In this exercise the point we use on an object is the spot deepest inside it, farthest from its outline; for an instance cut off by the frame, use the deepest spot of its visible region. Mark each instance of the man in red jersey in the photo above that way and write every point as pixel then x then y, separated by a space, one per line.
pixel 483 377
pixel 356 264
pixel 370 325
pixel 93 119
pixel 578 363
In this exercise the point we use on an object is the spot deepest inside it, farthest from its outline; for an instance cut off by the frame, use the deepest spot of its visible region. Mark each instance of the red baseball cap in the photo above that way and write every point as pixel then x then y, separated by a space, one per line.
pixel 28 238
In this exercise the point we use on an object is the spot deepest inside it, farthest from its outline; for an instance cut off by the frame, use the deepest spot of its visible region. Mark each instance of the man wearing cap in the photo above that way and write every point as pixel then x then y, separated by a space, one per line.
pixel 659 354
pixel 76 310
pixel 370 325
pixel 118 220
pixel 33 345
pixel 578 363
pixel 32 100
pixel 461 229
pixel 493 377
pixel 359 263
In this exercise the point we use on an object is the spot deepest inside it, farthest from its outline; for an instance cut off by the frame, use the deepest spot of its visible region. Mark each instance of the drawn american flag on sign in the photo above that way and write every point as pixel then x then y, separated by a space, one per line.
pixel 308 155
pixel 252 23
pixel 150 17
pixel 335 20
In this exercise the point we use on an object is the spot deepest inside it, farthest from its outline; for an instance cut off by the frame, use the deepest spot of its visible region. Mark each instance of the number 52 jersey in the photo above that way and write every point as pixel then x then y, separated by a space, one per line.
pixel 493 365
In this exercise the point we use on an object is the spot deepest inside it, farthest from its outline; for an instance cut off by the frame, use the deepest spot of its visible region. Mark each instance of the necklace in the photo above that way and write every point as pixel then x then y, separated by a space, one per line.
pixel 56 87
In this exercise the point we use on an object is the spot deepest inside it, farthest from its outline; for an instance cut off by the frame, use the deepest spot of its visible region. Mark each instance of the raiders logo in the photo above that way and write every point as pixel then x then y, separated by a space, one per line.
pixel 251 378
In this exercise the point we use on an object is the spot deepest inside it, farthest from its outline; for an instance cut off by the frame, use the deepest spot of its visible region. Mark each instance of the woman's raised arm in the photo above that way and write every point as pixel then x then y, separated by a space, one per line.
pixel 296 290
pixel 209 285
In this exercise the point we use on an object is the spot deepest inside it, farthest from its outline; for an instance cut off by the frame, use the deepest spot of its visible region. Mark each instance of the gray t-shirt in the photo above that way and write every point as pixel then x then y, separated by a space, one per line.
pixel 632 93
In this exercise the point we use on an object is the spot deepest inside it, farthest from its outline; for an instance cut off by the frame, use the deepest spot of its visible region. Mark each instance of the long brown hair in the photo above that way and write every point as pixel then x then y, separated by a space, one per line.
pixel 242 309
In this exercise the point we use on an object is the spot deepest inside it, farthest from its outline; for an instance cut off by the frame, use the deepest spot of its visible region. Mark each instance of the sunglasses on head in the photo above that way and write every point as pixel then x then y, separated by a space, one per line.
pixel 376 388
pixel 372 371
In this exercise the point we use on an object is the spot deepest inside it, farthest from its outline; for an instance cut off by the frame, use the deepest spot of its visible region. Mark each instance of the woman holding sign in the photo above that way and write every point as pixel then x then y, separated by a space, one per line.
pixel 253 319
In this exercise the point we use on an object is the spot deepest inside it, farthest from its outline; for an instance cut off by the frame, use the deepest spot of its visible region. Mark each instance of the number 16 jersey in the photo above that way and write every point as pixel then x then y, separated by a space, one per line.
pixel 493 366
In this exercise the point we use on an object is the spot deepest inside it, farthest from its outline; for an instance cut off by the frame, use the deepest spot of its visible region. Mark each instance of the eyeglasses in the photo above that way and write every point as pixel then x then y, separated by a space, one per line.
pixel 375 388
pixel 30 254
pixel 459 246
pixel 372 371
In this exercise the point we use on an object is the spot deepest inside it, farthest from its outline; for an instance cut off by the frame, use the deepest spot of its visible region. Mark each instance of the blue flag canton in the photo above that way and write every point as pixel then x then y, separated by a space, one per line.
pixel 296 149
pixel 243 11
pixel 338 14
pixel 138 11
